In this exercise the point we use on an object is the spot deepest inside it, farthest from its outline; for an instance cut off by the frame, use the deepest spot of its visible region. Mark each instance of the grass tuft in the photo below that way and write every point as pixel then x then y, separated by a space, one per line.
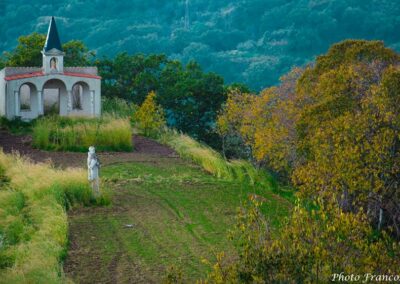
pixel 213 162
pixel 77 134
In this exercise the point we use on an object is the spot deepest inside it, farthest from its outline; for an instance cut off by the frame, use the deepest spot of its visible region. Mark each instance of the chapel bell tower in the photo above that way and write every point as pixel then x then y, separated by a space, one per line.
pixel 53 55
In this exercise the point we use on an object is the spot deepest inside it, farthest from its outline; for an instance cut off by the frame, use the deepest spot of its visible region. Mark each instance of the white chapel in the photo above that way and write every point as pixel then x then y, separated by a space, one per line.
pixel 28 92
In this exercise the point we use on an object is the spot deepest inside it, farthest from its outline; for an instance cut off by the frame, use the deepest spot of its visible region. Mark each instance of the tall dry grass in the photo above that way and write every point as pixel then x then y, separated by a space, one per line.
pixel 33 220
pixel 213 162
pixel 108 133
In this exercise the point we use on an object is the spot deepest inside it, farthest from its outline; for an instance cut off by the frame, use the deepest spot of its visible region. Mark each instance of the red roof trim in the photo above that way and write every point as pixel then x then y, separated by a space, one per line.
pixel 39 74
pixel 81 75
pixel 23 76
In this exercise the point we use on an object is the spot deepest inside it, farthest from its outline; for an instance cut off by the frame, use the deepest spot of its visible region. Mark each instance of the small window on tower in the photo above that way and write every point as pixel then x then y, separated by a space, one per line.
pixel 53 63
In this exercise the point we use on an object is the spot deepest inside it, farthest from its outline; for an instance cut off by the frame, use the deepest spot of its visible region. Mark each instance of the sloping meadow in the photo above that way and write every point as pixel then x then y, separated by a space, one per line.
pixel 33 220
pixel 107 133
pixel 214 163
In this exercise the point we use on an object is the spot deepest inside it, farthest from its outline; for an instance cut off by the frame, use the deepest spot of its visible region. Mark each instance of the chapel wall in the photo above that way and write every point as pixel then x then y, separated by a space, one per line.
pixel 8 71
pixel 83 70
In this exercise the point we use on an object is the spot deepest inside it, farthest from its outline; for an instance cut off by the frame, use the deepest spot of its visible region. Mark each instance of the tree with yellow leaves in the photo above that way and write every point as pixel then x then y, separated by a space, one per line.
pixel 231 125
pixel 150 117
pixel 348 134
pixel 311 247
pixel 333 128
pixel 265 123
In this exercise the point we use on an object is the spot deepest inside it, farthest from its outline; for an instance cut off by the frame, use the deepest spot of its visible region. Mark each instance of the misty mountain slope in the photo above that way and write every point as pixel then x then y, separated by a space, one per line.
pixel 249 41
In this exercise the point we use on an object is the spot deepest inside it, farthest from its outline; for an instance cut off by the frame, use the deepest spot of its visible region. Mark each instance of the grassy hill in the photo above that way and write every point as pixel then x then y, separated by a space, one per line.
pixel 165 211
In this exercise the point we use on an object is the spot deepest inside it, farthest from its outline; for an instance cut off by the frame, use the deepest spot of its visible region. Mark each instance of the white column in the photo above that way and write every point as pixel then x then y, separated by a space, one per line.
pixel 69 105
pixel 16 101
pixel 92 103
pixel 40 103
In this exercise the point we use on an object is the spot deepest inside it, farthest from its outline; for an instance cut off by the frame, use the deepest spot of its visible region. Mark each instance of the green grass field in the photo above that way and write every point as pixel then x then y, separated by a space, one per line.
pixel 180 215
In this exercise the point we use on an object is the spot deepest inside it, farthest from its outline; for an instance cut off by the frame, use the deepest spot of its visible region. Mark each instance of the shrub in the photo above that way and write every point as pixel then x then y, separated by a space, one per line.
pixel 77 134
pixel 33 222
pixel 150 117
pixel 15 126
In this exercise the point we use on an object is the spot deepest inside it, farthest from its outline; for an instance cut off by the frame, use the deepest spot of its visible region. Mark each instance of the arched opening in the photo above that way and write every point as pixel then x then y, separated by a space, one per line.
pixel 25 98
pixel 77 92
pixel 81 103
pixel 55 98
pixel 27 103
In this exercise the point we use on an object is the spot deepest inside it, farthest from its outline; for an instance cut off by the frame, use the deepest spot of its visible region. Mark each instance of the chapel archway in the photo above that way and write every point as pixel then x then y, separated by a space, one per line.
pixel 81 101
pixel 28 98
pixel 55 98
pixel 27 103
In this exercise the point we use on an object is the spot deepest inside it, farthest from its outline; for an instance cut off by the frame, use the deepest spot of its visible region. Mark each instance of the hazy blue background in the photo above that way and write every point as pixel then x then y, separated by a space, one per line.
pixel 249 41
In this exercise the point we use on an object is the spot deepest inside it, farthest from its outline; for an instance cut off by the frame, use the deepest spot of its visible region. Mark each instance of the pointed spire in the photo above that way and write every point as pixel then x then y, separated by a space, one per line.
pixel 52 40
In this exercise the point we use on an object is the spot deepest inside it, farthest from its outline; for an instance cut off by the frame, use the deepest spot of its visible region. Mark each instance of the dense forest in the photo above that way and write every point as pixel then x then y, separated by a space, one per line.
pixel 253 42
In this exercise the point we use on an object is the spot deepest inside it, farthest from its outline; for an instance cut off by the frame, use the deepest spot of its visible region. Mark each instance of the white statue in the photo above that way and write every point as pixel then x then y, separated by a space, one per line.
pixel 93 164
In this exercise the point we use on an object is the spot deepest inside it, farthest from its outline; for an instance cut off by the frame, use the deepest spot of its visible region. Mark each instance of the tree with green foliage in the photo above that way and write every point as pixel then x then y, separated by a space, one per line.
pixel 130 77
pixel 27 52
pixel 2 63
pixel 77 54
pixel 190 97
pixel 29 48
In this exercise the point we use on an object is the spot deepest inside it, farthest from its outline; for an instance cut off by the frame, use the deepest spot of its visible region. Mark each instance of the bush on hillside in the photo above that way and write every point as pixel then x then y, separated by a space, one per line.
pixel 15 126
pixel 107 133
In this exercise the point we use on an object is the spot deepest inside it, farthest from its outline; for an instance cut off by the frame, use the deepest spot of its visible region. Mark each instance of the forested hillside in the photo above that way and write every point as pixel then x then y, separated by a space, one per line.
pixel 253 42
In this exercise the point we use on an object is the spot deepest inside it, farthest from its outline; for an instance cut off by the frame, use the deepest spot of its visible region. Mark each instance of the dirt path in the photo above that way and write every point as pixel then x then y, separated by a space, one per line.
pixel 144 150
